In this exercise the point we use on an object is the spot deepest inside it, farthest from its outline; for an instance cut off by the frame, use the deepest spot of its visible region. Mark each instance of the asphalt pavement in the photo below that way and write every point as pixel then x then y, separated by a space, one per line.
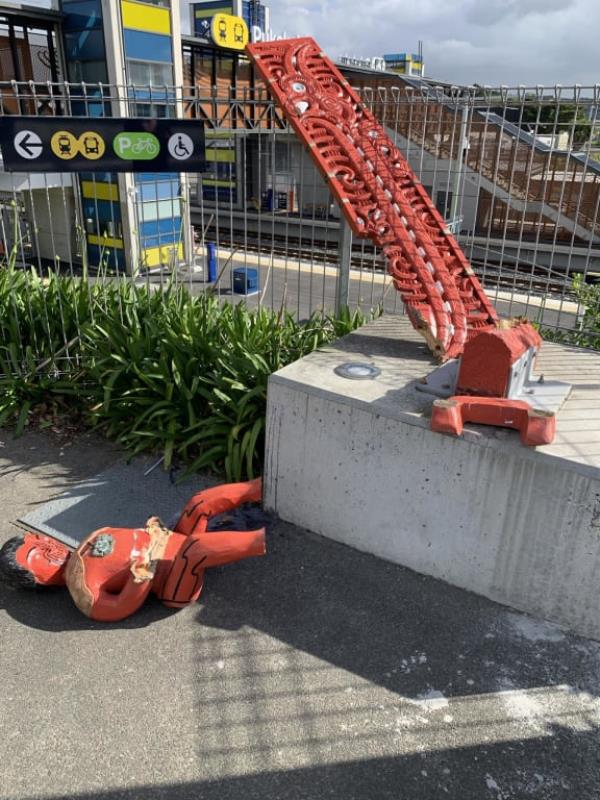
pixel 315 672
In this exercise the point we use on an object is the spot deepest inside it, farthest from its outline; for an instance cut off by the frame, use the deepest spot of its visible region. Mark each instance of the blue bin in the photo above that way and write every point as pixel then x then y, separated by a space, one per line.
pixel 211 261
pixel 244 280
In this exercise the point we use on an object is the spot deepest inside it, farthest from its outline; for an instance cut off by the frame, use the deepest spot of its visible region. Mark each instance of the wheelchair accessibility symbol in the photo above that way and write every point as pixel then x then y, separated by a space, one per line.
pixel 180 146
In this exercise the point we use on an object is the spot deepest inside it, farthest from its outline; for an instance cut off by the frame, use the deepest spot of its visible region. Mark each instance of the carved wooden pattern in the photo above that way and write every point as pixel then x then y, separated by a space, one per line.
pixel 378 193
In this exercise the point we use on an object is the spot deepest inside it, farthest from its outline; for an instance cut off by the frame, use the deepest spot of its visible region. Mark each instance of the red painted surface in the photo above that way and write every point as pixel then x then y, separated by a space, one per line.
pixel 137 561
pixel 210 502
pixel 536 427
pixel 487 359
pixel 44 558
pixel 378 193
pixel 192 555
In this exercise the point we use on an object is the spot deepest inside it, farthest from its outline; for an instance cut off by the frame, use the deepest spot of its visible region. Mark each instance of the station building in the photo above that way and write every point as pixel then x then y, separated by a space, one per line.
pixel 128 221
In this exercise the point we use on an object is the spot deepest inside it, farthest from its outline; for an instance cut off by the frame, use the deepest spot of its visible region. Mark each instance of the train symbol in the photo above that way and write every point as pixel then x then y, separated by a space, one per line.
pixel 64 144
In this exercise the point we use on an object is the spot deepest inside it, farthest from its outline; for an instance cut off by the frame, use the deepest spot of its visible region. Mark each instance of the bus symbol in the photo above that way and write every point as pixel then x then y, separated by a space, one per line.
pixel 91 145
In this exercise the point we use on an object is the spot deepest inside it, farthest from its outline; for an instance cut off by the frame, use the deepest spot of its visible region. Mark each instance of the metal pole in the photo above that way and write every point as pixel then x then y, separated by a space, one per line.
pixel 456 188
pixel 345 254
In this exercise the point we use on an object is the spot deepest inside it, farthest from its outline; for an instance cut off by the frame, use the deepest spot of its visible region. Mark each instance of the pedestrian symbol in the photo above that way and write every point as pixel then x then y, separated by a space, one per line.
pixel 180 146
pixel 28 144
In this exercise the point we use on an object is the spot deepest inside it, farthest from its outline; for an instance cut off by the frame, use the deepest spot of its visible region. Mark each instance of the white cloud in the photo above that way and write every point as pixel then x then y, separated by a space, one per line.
pixel 466 41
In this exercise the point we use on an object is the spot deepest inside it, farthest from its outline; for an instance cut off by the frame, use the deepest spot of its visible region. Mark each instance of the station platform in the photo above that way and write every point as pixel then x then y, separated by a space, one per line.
pixel 354 460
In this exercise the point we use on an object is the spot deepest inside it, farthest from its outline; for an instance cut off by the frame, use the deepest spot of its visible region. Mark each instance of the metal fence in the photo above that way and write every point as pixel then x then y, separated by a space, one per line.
pixel 516 173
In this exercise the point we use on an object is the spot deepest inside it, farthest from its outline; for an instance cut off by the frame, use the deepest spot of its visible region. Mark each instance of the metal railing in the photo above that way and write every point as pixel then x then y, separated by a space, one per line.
pixel 516 172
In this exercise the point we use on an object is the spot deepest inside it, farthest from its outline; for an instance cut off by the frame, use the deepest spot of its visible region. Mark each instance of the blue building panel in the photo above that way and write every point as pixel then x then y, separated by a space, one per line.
pixel 146 177
pixel 109 256
pixel 147 46
pixel 102 210
pixel 160 227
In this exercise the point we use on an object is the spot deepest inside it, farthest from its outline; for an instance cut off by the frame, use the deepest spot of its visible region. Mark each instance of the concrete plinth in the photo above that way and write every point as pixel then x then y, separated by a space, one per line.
pixel 355 461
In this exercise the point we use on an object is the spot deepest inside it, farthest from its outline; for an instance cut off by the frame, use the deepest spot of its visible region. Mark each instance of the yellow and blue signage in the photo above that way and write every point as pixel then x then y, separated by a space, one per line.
pixel 204 13
pixel 229 31
pixel 64 144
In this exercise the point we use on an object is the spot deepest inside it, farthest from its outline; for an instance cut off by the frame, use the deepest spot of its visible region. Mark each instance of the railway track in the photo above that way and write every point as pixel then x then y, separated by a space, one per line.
pixel 319 252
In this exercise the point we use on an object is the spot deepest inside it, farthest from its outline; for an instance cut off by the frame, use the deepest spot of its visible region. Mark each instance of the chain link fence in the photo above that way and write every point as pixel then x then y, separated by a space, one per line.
pixel 514 171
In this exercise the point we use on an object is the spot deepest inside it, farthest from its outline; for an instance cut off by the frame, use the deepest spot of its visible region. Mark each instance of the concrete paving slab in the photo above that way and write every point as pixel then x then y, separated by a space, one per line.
pixel 124 495
pixel 315 672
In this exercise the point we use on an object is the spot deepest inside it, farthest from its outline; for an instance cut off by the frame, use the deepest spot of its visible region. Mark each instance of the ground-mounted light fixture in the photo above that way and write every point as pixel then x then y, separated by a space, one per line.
pixel 357 371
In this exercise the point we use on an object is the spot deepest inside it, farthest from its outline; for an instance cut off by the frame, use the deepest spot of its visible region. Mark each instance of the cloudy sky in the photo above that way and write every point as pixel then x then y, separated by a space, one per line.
pixel 466 41
pixel 483 41
pixel 487 41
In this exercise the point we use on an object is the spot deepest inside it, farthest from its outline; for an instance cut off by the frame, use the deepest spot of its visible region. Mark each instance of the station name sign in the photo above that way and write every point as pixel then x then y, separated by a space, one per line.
pixel 258 35
pixel 90 144
pixel 375 62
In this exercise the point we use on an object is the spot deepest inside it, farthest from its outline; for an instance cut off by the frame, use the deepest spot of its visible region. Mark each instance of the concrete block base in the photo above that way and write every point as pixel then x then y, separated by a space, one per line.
pixel 355 461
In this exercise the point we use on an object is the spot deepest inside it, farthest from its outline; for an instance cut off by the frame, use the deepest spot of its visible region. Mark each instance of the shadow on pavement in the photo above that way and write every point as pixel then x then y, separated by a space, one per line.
pixel 366 615
pixel 500 771
pixel 53 610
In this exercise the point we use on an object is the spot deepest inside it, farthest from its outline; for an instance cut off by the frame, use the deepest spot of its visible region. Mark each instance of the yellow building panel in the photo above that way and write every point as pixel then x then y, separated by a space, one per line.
pixel 202 13
pixel 105 241
pixel 216 182
pixel 143 17
pixel 223 154
pixel 100 191
pixel 155 256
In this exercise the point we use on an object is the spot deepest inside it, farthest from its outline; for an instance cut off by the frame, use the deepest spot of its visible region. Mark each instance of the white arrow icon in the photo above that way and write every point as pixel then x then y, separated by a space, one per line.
pixel 28 144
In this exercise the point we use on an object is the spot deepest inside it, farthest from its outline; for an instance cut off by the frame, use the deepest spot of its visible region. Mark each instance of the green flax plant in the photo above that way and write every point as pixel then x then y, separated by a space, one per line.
pixel 158 371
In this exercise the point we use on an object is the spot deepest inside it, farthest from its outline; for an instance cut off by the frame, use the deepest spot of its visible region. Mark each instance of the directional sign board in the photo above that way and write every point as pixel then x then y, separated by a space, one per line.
pixel 64 144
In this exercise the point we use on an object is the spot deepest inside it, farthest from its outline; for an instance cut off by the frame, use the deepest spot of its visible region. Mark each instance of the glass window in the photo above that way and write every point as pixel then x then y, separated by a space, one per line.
pixel 84 46
pixel 88 71
pixel 7 66
pixel 82 14
pixel 166 189
pixel 148 73
pixel 153 110
pixel 89 108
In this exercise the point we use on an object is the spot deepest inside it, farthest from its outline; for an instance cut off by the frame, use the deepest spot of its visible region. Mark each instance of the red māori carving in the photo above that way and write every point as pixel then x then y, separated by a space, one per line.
pixel 113 570
pixel 378 193
pixel 485 366
pixel 536 427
